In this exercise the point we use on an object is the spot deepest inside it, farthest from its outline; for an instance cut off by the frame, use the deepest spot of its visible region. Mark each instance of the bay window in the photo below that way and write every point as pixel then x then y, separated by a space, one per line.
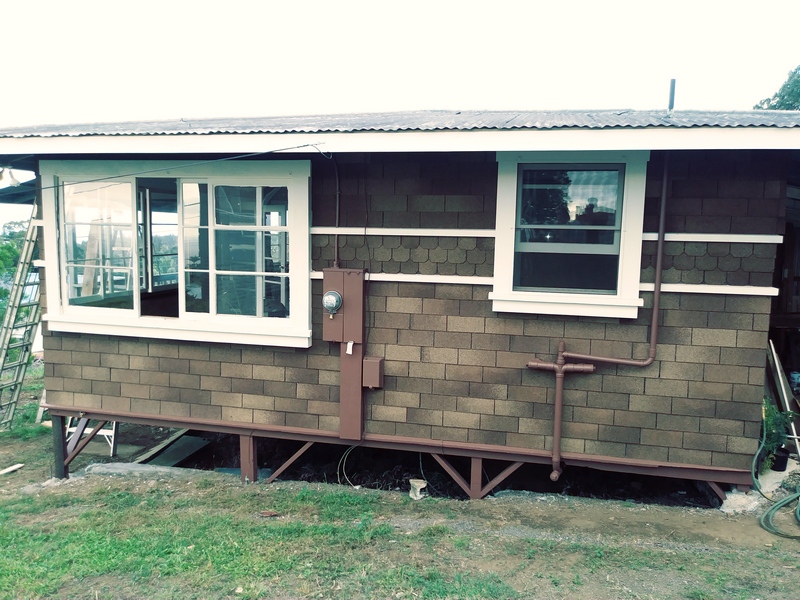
pixel 181 252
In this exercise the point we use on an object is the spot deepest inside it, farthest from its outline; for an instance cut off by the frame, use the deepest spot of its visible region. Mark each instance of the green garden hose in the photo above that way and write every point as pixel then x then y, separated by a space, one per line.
pixel 766 520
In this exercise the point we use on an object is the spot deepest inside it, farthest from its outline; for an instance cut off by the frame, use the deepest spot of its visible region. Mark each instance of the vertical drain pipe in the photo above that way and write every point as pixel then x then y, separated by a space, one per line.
pixel 561 367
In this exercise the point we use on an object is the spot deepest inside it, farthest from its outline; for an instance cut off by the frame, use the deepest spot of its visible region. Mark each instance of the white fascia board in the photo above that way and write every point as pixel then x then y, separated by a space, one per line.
pixel 699 138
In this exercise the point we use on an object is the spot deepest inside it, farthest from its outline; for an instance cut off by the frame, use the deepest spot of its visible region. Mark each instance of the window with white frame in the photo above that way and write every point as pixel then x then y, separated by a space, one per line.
pixel 569 233
pixel 181 252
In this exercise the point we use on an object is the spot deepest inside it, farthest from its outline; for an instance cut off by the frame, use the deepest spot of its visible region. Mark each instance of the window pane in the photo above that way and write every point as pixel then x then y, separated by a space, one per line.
pixel 235 205
pixel 99 202
pixel 98 243
pixel 195 248
pixel 276 255
pixel 275 202
pixel 236 250
pixel 197 292
pixel 566 272
pixel 195 204
pixel 236 294
pixel 276 296
pixel 566 197
pixel 95 286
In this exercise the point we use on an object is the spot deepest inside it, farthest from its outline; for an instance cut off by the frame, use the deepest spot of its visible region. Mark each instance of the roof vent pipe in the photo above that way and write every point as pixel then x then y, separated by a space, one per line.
pixel 671 95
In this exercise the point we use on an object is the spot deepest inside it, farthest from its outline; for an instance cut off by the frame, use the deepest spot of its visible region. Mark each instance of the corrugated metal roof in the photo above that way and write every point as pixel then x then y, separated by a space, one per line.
pixel 434 120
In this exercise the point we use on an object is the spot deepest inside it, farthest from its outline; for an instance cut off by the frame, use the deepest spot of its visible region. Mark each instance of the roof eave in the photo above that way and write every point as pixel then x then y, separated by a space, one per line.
pixel 483 140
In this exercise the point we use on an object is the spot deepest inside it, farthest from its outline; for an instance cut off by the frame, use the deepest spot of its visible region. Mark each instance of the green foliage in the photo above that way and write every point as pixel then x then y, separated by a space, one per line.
pixel 776 426
pixel 787 97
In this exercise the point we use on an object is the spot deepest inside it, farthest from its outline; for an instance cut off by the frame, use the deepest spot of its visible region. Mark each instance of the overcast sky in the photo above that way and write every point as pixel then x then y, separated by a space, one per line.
pixel 81 61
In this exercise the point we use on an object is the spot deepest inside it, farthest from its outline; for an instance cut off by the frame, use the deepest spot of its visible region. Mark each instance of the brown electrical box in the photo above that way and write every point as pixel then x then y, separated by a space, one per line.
pixel 372 373
pixel 347 325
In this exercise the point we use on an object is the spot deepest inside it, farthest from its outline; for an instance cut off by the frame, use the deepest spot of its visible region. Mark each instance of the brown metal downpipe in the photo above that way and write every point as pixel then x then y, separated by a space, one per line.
pixel 561 367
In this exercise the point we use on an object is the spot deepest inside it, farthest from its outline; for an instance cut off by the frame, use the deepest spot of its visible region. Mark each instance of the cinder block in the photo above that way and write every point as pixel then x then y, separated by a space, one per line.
pixel 237 415
pixel 476 405
pixel 691 457
pixel 463 373
pixel 584 431
pixel 181 380
pixel 85 358
pixel 607 400
pixel 413 430
pixel 693 407
pixel 268 417
pixel 612 433
pixel 593 415
pixel 640 452
pixel 291 405
pixel 653 437
pixel 655 404
pixel 402 399
pixel 604 448
pixel 241 371
pixel 522 440
pixel 304 421
pixel 666 387
pixel 710 391
pixel 499 423
pixel 423 416
pixel 682 370
pixel 677 423
pixel 492 438
pixel 396 414
pixel 461 419
pixel 705 441
pixel 624 418
pixel 624 385
pixel 438 402
pixel 114 403
pixel 145 363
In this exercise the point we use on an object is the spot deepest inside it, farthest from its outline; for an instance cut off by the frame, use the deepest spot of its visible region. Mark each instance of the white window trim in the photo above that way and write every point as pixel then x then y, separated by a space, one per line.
pixel 626 302
pixel 292 331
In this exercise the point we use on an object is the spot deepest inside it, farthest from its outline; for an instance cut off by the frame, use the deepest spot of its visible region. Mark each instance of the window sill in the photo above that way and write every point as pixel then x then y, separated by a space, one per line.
pixel 164 328
pixel 580 305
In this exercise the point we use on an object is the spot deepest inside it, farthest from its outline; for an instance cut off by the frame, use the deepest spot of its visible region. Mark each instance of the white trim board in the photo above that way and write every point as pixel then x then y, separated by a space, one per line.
pixel 731 238
pixel 404 231
pixel 677 288
pixel 654 138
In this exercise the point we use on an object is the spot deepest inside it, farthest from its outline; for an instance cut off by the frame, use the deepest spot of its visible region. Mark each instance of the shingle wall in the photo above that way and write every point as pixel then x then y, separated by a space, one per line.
pixel 454 369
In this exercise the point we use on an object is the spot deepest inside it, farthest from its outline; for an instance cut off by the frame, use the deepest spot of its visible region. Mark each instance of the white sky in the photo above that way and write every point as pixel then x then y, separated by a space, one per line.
pixel 86 61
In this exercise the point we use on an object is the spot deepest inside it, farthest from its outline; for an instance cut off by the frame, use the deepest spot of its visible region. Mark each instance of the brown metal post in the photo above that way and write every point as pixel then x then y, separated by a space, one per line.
pixel 351 392
pixel 475 478
pixel 248 461
pixel 59 447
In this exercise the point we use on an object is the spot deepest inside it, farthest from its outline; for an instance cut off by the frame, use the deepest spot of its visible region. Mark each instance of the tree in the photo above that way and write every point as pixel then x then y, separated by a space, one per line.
pixel 786 98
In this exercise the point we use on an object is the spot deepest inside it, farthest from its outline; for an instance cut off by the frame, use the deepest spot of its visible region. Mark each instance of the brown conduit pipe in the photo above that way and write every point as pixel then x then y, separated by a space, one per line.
pixel 561 367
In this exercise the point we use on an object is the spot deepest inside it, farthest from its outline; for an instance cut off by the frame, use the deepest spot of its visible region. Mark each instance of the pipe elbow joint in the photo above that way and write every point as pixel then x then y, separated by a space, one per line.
pixel 555 474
